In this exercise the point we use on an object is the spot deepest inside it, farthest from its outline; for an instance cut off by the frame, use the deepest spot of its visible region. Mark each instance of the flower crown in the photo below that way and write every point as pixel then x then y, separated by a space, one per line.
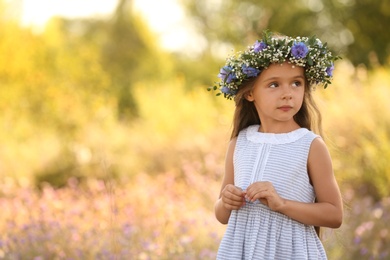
pixel 305 52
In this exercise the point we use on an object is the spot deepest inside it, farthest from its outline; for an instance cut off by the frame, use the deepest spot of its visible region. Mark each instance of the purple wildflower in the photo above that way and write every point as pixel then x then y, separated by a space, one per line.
pixel 299 50
pixel 259 46
pixel 226 74
pixel 329 70
pixel 226 90
pixel 363 251
pixel 249 71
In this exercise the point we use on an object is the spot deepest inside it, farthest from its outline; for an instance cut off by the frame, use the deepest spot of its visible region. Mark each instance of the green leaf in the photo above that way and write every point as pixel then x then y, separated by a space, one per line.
pixel 309 61
pixel 312 40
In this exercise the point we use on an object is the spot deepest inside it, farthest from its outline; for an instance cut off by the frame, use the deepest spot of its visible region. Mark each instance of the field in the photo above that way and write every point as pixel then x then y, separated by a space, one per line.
pixel 145 189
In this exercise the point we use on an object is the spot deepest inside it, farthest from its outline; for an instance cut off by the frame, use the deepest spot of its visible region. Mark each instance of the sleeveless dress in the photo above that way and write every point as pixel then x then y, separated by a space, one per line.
pixel 254 231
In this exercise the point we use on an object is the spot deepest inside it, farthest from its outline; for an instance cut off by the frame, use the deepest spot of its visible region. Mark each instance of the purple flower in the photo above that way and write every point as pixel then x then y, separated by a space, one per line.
pixel 226 74
pixel 228 91
pixel 329 70
pixel 363 251
pixel 357 240
pixel 259 46
pixel 299 50
pixel 249 71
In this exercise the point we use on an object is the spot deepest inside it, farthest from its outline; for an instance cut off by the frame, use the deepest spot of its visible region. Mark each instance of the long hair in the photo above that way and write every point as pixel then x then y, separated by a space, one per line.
pixel 245 113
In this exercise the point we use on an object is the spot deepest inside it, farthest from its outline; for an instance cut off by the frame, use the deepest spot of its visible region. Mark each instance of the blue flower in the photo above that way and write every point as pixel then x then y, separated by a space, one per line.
pixel 225 90
pixel 226 74
pixel 259 46
pixel 299 50
pixel 329 70
pixel 249 71
pixel 228 91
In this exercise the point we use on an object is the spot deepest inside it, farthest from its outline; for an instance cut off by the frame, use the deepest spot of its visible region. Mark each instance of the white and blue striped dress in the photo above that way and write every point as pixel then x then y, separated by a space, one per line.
pixel 255 231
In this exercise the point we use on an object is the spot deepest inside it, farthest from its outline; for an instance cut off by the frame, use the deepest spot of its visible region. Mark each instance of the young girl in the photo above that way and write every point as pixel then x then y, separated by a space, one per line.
pixel 279 183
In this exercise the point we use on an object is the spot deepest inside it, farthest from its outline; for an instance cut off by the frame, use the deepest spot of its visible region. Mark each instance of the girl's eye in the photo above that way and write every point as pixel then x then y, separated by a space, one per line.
pixel 297 84
pixel 273 85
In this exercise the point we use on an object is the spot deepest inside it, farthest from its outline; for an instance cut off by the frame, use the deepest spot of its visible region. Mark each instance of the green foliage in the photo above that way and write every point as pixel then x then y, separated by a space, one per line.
pixel 366 21
pixel 130 53
pixel 356 29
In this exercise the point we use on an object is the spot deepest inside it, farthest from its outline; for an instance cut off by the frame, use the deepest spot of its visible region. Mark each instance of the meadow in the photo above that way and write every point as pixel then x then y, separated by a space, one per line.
pixel 145 189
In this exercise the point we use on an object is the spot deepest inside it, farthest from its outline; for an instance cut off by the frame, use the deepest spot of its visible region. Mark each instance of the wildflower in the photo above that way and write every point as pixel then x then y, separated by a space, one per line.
pixel 227 91
pixel 249 71
pixel 299 50
pixel 329 70
pixel 259 46
pixel 226 74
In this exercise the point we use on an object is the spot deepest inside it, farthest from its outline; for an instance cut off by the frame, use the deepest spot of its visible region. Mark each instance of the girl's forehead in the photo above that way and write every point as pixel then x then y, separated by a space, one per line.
pixel 284 69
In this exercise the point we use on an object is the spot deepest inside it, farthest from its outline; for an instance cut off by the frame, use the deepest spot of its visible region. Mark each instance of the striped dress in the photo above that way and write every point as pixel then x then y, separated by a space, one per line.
pixel 255 231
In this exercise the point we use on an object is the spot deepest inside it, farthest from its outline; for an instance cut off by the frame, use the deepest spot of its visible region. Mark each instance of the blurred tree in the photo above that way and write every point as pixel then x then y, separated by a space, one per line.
pixel 130 54
pixel 231 24
pixel 240 22
pixel 358 29
pixel 121 50
pixel 366 23
pixel 90 60
pixel 71 75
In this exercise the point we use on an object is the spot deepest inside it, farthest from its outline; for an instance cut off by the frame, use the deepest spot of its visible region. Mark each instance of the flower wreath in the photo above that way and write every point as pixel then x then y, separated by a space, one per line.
pixel 305 52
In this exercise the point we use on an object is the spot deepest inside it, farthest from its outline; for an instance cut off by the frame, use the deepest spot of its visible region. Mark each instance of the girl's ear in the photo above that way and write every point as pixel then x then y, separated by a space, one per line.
pixel 249 96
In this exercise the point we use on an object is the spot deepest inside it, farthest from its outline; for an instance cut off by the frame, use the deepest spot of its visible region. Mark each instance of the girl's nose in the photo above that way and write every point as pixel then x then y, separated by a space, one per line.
pixel 287 94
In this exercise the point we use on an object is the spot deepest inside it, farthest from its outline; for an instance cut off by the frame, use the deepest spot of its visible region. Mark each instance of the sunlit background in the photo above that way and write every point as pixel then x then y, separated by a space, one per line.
pixel 165 18
pixel 112 147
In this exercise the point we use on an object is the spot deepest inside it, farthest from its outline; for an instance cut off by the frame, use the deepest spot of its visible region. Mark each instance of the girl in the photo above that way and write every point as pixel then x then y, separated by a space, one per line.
pixel 279 183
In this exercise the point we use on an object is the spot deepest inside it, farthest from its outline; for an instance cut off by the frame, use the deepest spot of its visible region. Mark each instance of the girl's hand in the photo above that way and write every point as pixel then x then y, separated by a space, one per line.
pixel 266 193
pixel 232 197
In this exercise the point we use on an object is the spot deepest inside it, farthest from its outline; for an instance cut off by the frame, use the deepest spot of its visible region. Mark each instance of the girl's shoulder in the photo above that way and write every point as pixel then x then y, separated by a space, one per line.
pixel 318 145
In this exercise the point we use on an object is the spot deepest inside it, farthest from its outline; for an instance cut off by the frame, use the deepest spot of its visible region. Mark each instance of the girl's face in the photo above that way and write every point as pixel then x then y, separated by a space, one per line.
pixel 278 95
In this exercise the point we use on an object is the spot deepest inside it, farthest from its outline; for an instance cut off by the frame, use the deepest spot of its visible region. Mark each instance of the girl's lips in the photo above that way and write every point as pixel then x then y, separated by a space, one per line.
pixel 285 108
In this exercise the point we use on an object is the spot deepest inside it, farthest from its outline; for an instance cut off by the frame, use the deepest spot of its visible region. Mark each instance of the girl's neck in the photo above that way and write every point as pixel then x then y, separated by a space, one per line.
pixel 278 128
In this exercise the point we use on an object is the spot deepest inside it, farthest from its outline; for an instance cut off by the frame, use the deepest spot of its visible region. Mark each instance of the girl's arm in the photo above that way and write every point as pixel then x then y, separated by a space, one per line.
pixel 231 197
pixel 327 211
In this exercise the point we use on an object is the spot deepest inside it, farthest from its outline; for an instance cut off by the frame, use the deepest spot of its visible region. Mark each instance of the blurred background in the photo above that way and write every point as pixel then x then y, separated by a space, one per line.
pixel 112 147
